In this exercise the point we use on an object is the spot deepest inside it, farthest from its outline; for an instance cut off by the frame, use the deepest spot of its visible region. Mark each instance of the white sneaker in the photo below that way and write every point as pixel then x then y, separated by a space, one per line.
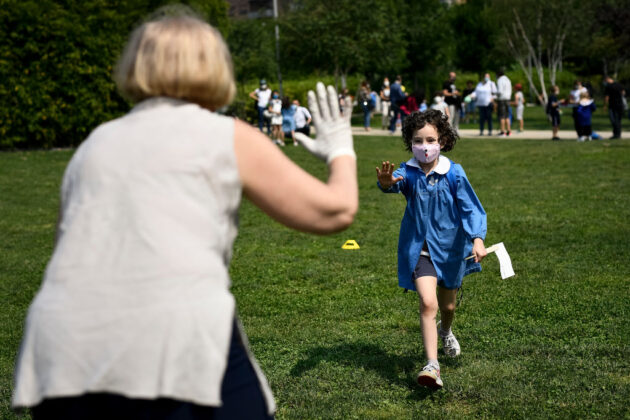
pixel 429 376
pixel 581 139
pixel 450 345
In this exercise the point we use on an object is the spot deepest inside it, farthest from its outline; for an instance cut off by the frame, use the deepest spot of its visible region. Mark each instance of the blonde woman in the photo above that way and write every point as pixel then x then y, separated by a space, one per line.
pixel 135 318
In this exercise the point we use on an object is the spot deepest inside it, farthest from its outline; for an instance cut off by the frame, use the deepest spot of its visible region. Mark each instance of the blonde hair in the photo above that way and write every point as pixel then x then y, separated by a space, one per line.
pixel 180 57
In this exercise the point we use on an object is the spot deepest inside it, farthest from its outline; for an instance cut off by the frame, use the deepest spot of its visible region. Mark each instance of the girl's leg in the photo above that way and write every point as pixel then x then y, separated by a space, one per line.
pixel 446 300
pixel 428 310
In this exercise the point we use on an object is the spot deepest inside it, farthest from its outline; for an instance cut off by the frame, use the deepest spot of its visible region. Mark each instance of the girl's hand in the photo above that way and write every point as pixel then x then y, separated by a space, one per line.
pixel 385 175
pixel 479 250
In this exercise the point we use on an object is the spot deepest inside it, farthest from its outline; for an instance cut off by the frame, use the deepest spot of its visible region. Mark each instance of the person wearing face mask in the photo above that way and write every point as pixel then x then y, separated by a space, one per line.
pixel 444 223
pixel 484 96
pixel 262 95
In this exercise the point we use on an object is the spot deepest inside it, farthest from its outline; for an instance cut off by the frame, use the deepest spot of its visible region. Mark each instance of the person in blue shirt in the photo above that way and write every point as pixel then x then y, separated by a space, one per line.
pixel 442 225
pixel 288 119
pixel 397 98
pixel 584 111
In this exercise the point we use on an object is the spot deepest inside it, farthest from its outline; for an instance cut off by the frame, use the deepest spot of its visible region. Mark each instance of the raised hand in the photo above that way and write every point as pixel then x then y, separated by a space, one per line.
pixel 385 175
pixel 333 133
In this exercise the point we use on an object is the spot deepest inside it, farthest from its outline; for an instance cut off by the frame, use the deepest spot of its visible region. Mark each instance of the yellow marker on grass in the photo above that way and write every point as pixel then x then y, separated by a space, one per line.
pixel 350 244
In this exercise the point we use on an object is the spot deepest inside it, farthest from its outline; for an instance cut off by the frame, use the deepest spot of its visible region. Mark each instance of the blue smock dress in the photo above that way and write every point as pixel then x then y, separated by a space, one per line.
pixel 432 216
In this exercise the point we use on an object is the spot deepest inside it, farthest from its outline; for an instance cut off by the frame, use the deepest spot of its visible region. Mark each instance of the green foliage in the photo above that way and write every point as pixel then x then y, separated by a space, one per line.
pixel 252 46
pixel 344 36
pixel 429 43
pixel 335 335
pixel 56 60
pixel 477 37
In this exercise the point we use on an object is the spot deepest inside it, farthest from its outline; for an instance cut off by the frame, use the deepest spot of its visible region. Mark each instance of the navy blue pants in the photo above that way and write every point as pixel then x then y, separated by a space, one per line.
pixel 485 115
pixel 240 392
pixel 395 113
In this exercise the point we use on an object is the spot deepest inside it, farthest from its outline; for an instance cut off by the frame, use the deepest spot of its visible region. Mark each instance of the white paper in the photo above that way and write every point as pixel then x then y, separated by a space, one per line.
pixel 505 263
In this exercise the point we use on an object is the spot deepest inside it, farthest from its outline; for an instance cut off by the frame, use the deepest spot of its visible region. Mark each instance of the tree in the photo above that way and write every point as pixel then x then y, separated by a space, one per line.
pixel 56 61
pixel 535 32
pixel 475 37
pixel 252 48
pixel 429 42
pixel 344 36
pixel 611 35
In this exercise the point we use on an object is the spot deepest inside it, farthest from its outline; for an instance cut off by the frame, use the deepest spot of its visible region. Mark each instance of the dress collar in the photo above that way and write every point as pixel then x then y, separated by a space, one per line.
pixel 444 164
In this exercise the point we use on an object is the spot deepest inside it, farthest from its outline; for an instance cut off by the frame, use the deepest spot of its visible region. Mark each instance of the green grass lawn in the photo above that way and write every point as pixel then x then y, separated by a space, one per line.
pixel 338 339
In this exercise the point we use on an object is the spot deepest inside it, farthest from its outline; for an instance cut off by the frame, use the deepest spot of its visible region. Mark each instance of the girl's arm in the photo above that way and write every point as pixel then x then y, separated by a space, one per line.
pixel 387 178
pixel 479 250
pixel 473 215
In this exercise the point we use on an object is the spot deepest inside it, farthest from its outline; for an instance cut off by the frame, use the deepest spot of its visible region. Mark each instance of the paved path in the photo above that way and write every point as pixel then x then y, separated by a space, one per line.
pixel 474 133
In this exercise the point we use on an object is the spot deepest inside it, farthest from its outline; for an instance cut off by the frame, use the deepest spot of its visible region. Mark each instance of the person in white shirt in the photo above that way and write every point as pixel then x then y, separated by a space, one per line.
pixel 519 103
pixel 504 94
pixel 262 95
pixel 440 105
pixel 302 119
pixel 484 95
pixel 385 103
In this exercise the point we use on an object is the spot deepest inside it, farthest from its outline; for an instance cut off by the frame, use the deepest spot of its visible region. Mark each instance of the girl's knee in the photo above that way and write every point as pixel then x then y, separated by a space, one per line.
pixel 428 306
pixel 447 307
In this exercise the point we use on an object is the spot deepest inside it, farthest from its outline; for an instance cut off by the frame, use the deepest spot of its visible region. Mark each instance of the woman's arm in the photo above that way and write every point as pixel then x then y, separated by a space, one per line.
pixel 289 194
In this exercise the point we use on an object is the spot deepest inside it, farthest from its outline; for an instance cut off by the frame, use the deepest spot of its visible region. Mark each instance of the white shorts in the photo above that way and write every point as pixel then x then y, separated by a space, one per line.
pixel 519 112
pixel 276 120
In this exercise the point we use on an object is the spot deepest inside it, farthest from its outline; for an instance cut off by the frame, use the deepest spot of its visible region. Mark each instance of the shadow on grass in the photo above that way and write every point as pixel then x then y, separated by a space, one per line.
pixel 369 357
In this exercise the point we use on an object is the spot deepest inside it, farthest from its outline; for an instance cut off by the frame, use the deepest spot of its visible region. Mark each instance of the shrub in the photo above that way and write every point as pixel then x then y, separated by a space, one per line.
pixel 56 63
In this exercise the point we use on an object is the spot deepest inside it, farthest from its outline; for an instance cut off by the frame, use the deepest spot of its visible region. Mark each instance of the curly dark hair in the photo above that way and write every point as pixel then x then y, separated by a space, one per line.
pixel 417 120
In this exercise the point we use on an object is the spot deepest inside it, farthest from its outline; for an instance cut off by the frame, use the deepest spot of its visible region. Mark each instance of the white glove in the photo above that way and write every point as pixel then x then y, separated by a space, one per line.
pixel 333 133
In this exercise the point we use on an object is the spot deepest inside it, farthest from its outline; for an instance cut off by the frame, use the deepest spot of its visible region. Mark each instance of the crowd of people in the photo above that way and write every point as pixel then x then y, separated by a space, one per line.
pixel 582 105
pixel 478 103
pixel 282 117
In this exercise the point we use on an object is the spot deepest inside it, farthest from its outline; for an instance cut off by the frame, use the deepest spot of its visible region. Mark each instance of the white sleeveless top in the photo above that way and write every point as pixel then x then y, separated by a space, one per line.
pixel 135 299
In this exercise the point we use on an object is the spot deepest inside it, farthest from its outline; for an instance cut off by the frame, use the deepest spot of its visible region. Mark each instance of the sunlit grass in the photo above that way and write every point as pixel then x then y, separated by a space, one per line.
pixel 335 335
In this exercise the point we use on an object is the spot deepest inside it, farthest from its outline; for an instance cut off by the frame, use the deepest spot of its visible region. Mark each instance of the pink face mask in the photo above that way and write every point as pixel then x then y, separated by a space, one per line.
pixel 426 153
